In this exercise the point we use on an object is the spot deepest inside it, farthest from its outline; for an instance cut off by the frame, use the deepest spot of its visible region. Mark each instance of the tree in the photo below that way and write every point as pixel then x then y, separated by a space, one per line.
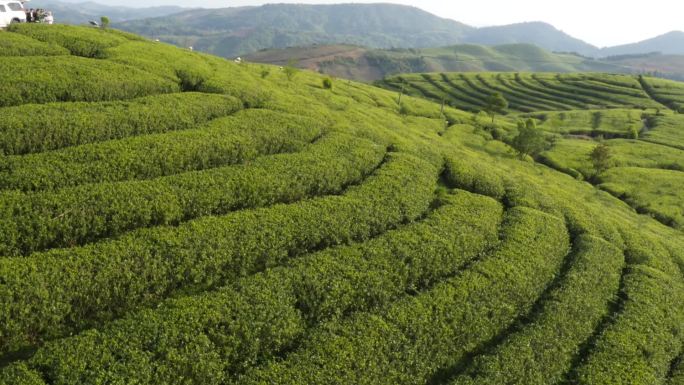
pixel 601 158
pixel 530 140
pixel 291 69
pixel 495 104
pixel 104 22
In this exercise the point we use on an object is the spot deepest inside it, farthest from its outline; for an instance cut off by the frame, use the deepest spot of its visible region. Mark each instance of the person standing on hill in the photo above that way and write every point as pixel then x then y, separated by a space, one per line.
pixel 29 16
pixel 49 19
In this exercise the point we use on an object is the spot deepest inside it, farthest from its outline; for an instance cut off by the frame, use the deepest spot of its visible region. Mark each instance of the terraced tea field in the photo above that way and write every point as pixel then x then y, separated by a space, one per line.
pixel 637 116
pixel 169 217
pixel 529 92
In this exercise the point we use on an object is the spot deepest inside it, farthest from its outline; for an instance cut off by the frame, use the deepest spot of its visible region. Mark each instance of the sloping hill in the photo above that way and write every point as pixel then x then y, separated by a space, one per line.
pixel 537 33
pixel 235 31
pixel 593 107
pixel 528 92
pixel 172 217
pixel 231 32
pixel 668 66
pixel 671 43
pixel 365 64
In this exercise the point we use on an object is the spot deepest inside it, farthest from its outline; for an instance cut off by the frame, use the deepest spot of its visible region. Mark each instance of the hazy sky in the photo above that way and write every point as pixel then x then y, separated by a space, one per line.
pixel 599 22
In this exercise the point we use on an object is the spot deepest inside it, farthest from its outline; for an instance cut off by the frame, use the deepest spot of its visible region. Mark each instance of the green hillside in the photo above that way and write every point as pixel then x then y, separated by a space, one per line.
pixel 527 92
pixel 365 64
pixel 638 116
pixel 230 32
pixel 170 217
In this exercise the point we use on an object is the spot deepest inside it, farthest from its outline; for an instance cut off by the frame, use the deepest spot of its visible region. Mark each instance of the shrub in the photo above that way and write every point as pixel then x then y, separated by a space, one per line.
pixel 104 22
pixel 601 158
pixel 530 140
pixel 291 70
pixel 327 83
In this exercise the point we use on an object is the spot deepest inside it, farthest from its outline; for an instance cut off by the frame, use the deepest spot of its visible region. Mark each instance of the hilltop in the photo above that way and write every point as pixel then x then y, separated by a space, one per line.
pixel 538 33
pixel 671 43
pixel 172 217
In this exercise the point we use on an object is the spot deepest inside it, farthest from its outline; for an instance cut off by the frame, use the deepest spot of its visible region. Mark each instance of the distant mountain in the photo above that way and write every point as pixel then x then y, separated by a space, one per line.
pixel 364 64
pixel 231 32
pixel 80 13
pixel 237 31
pixel 671 43
pixel 541 34
pixel 656 64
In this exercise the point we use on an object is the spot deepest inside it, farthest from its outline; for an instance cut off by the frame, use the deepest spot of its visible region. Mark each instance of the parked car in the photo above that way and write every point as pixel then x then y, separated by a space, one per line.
pixel 11 12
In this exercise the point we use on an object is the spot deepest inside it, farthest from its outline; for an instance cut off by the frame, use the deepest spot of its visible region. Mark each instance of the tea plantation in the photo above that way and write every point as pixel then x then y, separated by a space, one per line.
pixel 639 118
pixel 170 217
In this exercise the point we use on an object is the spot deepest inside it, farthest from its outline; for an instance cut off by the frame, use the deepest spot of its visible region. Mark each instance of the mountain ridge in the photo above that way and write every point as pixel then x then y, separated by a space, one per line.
pixel 539 33
pixel 238 31
pixel 670 43
pixel 242 30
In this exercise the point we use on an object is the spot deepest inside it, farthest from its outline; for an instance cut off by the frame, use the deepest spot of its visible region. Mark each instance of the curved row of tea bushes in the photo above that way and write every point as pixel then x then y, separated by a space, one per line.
pixel 189 69
pixel 460 92
pixel 653 191
pixel 27 129
pixel 58 292
pixel 528 84
pixel 667 92
pixel 474 176
pixel 653 304
pixel 495 84
pixel 593 84
pixel 225 141
pixel 602 97
pixel 543 351
pixel 233 328
pixel 543 84
pixel 74 79
pixel 75 216
pixel 651 299
pixel 411 340
pixel 85 42
pixel 452 96
pixel 525 92
pixel 515 82
pixel 12 44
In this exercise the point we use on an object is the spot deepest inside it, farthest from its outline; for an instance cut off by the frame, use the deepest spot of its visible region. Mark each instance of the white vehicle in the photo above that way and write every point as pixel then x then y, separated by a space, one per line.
pixel 11 12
